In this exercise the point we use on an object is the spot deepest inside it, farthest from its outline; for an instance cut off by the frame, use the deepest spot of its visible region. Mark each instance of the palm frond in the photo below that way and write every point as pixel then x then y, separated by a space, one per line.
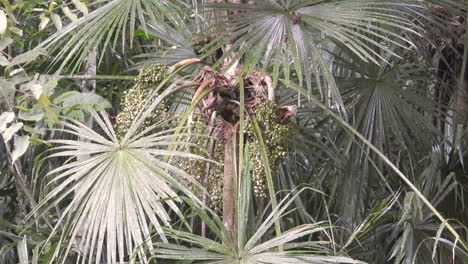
pixel 112 23
pixel 394 168
pixel 177 45
pixel 119 196
pixel 292 33
pixel 254 251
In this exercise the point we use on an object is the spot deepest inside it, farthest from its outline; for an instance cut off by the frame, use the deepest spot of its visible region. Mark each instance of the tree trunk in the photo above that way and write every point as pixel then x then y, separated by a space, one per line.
pixel 21 184
pixel 89 86
pixel 229 181
pixel 461 103
pixel 229 177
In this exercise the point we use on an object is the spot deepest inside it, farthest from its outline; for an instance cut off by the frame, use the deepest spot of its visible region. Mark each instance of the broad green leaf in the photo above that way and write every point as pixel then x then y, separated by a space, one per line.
pixel 3 61
pixel 76 115
pixel 34 87
pixel 34 131
pixel 44 21
pixel 27 57
pixel 9 132
pixel 22 108
pixel 86 100
pixel 21 144
pixel 4 42
pixel 52 116
pixel 81 6
pixel 64 96
pixel 69 13
pixel 5 119
pixel 57 21
pixel 16 31
pixel 48 86
pixel 36 113
pixel 37 141
pixel 23 252
pixel 44 100
pixel 3 22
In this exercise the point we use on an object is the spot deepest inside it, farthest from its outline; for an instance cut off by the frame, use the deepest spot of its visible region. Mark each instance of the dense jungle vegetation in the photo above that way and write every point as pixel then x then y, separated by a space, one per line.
pixel 233 131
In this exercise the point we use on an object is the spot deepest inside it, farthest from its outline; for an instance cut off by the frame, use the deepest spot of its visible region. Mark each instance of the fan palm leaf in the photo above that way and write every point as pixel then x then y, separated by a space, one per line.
pixel 253 250
pixel 112 23
pixel 180 45
pixel 293 32
pixel 117 197
pixel 416 227
pixel 393 167
pixel 380 98
pixel 248 246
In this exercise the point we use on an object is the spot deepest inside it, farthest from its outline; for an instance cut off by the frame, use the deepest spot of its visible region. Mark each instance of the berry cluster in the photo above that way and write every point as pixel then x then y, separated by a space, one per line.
pixel 135 97
pixel 215 179
pixel 152 75
pixel 274 132
pixel 212 179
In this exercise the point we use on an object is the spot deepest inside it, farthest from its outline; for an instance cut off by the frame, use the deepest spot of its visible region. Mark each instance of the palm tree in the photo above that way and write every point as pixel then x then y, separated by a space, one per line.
pixel 237 105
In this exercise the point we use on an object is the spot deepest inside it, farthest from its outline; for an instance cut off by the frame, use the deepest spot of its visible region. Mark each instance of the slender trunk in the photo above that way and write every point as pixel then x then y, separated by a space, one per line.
pixel 461 104
pixel 89 86
pixel 98 77
pixel 21 184
pixel 229 177
pixel 7 103
pixel 229 182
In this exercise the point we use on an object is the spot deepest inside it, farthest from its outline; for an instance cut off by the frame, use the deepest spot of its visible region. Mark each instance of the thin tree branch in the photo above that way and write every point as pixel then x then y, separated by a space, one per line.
pixel 21 184
pixel 98 77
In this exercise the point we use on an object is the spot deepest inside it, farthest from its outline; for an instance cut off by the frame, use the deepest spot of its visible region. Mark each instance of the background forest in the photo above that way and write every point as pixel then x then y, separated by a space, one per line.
pixel 248 132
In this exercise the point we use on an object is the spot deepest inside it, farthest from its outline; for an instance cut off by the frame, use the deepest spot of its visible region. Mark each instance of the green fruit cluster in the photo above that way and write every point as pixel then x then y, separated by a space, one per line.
pixel 194 167
pixel 132 103
pixel 211 179
pixel 152 75
pixel 216 178
pixel 135 97
pixel 275 130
